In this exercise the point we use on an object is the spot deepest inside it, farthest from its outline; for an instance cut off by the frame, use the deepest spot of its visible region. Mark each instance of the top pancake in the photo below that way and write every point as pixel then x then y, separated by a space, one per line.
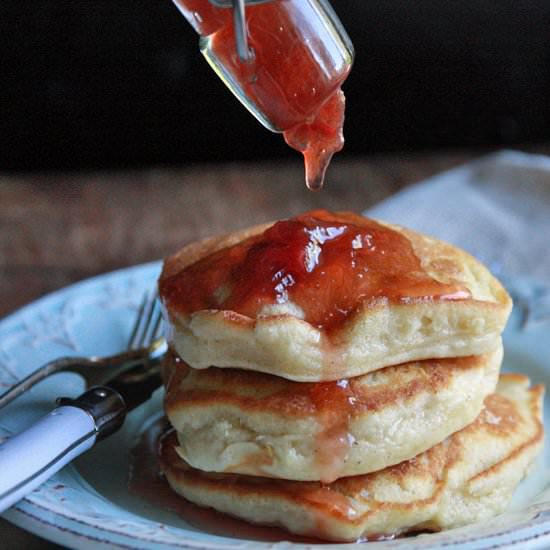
pixel 264 302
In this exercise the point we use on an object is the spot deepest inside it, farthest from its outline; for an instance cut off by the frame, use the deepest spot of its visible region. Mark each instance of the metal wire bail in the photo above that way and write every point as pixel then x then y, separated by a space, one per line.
pixel 241 40
pixel 239 21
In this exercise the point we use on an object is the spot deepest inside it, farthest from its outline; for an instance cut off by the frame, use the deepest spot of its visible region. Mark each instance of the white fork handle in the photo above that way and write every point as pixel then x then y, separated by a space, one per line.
pixel 31 457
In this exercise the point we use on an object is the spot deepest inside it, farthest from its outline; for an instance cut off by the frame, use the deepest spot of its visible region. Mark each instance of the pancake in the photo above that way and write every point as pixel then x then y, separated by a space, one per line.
pixel 327 296
pixel 244 422
pixel 468 477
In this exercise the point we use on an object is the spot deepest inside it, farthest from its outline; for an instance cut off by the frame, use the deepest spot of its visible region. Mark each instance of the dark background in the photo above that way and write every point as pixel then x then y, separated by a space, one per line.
pixel 121 83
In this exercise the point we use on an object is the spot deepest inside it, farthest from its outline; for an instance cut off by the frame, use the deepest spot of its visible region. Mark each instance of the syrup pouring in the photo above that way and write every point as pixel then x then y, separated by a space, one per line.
pixel 286 62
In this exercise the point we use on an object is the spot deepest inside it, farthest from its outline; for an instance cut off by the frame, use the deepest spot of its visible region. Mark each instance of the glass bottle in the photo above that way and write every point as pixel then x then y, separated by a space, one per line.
pixel 299 56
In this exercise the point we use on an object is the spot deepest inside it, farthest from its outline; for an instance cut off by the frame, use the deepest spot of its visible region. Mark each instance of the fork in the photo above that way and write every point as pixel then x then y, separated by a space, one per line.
pixel 144 344
pixel 31 457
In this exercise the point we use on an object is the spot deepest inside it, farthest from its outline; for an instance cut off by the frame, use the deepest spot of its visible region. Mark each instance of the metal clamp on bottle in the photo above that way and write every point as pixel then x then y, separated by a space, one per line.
pixel 239 19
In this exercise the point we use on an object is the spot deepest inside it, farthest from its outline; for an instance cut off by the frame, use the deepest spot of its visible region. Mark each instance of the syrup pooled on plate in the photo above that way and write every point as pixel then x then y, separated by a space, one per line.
pixel 299 58
pixel 325 264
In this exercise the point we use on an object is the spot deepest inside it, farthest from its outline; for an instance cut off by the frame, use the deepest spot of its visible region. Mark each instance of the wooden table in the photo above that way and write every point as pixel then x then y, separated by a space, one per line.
pixel 59 228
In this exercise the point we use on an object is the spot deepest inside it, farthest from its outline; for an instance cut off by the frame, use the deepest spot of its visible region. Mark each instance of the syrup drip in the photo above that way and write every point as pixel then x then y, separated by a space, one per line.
pixel 326 264
pixel 320 139
pixel 293 80
pixel 334 405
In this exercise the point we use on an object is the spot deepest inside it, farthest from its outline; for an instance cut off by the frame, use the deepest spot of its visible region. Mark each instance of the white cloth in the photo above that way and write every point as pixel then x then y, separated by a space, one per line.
pixel 496 207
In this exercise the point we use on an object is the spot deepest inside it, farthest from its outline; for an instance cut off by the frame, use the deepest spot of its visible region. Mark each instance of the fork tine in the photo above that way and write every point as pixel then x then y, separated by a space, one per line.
pixel 156 333
pixel 137 322
pixel 146 328
pixel 148 316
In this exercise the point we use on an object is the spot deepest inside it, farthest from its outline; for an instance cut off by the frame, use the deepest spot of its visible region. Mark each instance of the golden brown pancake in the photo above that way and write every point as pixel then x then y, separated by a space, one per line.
pixel 468 477
pixel 449 305
pixel 237 421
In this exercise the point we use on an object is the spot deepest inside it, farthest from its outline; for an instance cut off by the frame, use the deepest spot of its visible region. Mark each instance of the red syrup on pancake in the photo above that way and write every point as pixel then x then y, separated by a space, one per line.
pixel 327 264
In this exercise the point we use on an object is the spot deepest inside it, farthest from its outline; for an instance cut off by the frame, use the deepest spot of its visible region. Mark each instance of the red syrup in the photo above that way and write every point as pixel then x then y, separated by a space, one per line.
pixel 326 263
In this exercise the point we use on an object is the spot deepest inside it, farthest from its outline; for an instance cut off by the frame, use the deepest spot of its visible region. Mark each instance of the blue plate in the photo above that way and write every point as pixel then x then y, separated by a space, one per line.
pixel 87 504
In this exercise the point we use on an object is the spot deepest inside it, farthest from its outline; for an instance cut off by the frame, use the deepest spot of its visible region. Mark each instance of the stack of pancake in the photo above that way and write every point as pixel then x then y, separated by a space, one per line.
pixel 339 377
